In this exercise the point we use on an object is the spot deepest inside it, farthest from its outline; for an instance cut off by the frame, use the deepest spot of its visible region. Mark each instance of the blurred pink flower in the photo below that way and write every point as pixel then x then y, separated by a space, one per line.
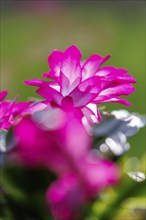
pixel 57 139
pixel 52 140
pixel 68 195
pixel 10 110
pixel 85 82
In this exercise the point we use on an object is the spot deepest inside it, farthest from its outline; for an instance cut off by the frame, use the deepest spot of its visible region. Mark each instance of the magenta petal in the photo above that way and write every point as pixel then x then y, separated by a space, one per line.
pixel 110 70
pixel 71 68
pixel 5 125
pixel 45 75
pixel 86 92
pixel 125 78
pixel 34 82
pixel 111 73
pixel 54 61
pixel 50 94
pixel 33 143
pixel 38 147
pixel 10 112
pixel 9 107
pixel 91 66
pixel 122 75
pixel 3 94
pixel 66 197
pixel 98 174
pixel 92 84
pixel 75 149
pixel 51 75
pixel 123 89
pixel 90 116
pixel 107 70
pixel 105 99
pixel 120 78
pixel 34 107
pixel 52 143
pixel 81 98
pixel 66 87
pixel 5 114
pixel 21 106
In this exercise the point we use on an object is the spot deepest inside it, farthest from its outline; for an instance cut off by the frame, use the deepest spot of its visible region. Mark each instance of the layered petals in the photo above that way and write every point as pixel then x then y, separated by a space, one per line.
pixel 50 94
pixel 92 65
pixel 85 82
pixel 113 73
pixel 87 91
pixel 10 111
pixel 111 94
pixel 124 89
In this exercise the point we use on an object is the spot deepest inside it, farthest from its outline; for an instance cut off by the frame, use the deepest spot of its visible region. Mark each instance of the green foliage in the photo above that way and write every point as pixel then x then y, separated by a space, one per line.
pixel 23 193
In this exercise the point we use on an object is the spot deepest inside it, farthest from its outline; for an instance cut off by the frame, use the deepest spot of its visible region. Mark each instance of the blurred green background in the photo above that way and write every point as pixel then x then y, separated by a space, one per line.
pixel 30 30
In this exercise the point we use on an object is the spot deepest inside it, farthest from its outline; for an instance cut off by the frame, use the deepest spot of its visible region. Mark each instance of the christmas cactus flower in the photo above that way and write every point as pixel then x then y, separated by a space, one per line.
pixel 56 139
pixel 50 140
pixel 10 110
pixel 68 195
pixel 48 154
pixel 86 83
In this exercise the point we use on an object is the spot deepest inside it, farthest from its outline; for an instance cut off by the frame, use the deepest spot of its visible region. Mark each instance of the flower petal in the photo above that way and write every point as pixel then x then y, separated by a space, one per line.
pixel 34 82
pixel 116 74
pixel 86 92
pixel 105 99
pixel 91 66
pixel 34 107
pixel 91 114
pixel 50 94
pixel 54 61
pixel 66 197
pixel 20 107
pixel 66 87
pixel 71 69
pixel 122 89
pixel 98 174
pixel 3 94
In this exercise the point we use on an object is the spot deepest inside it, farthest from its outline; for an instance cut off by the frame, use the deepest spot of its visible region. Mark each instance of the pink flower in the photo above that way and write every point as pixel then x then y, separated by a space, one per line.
pixel 57 139
pixel 10 110
pixel 68 195
pixel 52 141
pixel 86 83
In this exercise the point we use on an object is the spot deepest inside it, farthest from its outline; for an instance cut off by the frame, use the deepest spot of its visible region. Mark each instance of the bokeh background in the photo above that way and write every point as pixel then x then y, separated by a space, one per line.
pixel 30 30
